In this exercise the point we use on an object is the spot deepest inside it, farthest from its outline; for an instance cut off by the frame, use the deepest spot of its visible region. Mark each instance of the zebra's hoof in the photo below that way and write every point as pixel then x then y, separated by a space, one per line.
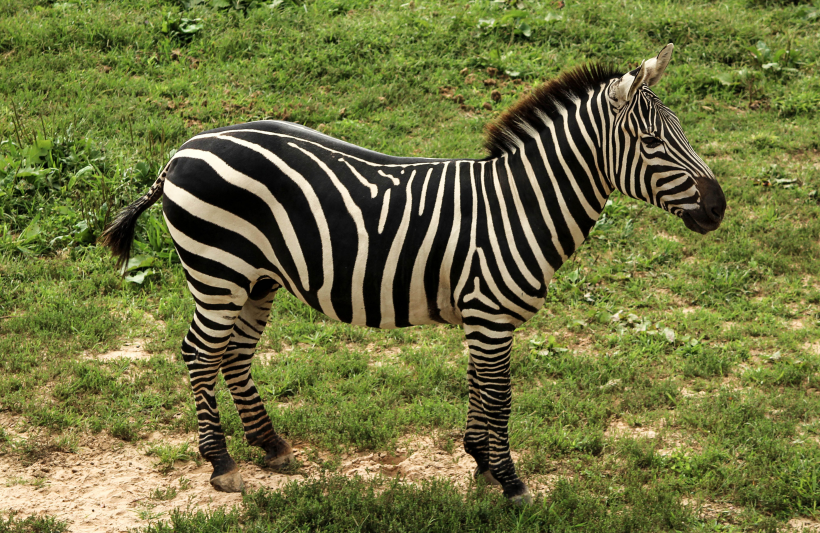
pixel 523 499
pixel 278 452
pixel 486 476
pixel 280 461
pixel 230 482
pixel 279 455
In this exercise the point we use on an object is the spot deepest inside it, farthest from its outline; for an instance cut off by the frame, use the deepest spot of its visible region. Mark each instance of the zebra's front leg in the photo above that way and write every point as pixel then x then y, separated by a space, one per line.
pixel 476 438
pixel 490 346
pixel 236 368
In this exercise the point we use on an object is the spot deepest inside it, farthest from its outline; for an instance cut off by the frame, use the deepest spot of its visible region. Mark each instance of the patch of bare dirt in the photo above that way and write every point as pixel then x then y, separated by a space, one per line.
pixel 812 347
pixel 269 356
pixel 415 459
pixel 666 236
pixel 620 429
pixel 796 324
pixel 710 510
pixel 667 439
pixel 804 524
pixel 134 350
pixel 687 393
pixel 111 486
pixel 382 356
pixel 674 298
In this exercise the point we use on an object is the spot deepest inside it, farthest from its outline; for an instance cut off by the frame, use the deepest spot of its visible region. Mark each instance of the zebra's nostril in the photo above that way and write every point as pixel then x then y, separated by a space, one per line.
pixel 717 213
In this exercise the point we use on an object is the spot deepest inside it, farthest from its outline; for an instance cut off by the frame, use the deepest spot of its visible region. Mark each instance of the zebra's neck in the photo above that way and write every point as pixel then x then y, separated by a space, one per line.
pixel 556 175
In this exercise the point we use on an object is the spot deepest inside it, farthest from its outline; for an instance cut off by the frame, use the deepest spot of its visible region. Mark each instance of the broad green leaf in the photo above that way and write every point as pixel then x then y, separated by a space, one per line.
pixel 725 78
pixel 140 261
pixel 84 234
pixel 139 277
pixel 31 231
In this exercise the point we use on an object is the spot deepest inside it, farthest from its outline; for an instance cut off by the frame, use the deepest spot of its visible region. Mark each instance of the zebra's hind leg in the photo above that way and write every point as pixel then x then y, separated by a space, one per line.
pixel 490 344
pixel 202 350
pixel 236 368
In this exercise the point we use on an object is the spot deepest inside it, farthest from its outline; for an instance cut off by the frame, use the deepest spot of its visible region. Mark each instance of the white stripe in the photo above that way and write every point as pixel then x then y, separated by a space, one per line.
pixel 575 231
pixel 445 292
pixel 221 217
pixel 523 217
pixel 545 214
pixel 373 189
pixel 468 261
pixel 477 295
pixel 499 260
pixel 424 190
pixel 508 234
pixel 394 179
pixel 388 310
pixel 488 279
pixel 418 312
pixel 363 243
pixel 385 207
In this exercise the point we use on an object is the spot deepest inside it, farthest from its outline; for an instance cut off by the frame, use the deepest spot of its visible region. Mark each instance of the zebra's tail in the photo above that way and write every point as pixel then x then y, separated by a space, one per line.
pixel 119 234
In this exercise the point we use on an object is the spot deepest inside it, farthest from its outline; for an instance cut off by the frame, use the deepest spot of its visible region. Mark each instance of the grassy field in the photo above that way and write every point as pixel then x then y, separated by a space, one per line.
pixel 668 373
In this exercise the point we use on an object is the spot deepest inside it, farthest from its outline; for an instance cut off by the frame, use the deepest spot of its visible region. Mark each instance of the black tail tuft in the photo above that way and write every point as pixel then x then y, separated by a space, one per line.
pixel 119 234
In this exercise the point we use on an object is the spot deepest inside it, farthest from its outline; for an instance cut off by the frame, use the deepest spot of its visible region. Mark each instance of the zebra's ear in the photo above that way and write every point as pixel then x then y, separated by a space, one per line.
pixel 624 88
pixel 650 72
pixel 656 66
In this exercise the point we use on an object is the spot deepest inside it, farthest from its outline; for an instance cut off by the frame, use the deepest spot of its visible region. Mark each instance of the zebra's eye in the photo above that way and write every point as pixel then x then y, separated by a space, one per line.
pixel 652 142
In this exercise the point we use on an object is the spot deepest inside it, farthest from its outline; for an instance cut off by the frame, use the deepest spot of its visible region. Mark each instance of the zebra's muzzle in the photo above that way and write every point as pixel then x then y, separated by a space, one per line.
pixel 712 207
pixel 700 226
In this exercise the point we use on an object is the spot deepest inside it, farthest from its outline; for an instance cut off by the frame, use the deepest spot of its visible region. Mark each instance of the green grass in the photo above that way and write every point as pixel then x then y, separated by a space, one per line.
pixel 711 342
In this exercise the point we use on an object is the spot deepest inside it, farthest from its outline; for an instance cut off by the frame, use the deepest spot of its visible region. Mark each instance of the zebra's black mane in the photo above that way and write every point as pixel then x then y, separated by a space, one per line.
pixel 546 98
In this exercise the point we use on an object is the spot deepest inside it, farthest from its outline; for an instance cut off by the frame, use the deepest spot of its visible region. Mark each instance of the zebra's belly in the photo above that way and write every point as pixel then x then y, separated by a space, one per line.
pixel 387 315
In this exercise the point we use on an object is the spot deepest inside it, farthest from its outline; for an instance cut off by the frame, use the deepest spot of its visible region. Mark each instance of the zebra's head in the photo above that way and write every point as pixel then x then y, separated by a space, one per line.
pixel 652 160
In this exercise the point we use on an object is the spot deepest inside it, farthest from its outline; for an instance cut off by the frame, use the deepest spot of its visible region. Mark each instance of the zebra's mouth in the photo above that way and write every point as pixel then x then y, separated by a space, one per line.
pixel 701 226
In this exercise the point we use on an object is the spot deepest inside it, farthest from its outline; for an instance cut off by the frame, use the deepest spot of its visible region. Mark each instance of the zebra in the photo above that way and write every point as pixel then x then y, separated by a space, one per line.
pixel 387 242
